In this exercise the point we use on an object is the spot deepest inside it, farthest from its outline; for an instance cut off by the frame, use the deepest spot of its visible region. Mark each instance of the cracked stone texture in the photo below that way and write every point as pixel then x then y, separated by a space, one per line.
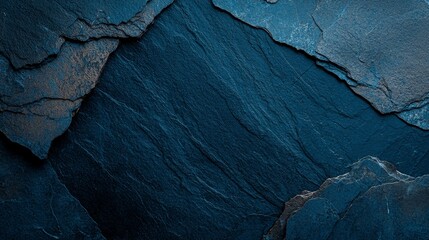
pixel 57 50
pixel 33 202
pixel 37 105
pixel 353 205
pixel 34 30
pixel 377 47
pixel 197 133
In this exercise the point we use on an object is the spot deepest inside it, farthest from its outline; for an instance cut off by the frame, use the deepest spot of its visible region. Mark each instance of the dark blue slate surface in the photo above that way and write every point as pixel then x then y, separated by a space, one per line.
pixel 376 46
pixel 34 204
pixel 34 30
pixel 37 102
pixel 372 201
pixel 397 211
pixel 37 105
pixel 204 127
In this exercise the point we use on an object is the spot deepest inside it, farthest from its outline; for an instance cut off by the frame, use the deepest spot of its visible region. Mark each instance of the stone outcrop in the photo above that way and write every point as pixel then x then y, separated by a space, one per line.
pixel 372 201
pixel 377 47
pixel 53 54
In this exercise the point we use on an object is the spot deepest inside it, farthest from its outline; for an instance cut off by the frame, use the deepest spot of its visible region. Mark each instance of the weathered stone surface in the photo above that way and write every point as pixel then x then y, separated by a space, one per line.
pixel 38 103
pixel 203 128
pixel 197 133
pixel 372 201
pixel 134 27
pixel 377 47
pixel 34 204
pixel 381 45
pixel 401 207
pixel 34 30
pixel 287 22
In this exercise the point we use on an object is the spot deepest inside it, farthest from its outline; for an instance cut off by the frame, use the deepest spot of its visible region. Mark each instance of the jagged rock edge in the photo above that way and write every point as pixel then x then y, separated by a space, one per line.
pixel 323 62
pixel 50 58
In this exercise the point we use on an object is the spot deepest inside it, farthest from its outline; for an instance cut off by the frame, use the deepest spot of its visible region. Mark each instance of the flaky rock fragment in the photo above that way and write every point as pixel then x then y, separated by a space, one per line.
pixel 382 47
pixel 34 30
pixel 53 55
pixel 377 47
pixel 288 22
pixel 134 27
pixel 37 105
pixel 351 206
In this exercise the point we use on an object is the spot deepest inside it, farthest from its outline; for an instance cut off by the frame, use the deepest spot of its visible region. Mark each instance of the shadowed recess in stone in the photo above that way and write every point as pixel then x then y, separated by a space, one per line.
pixel 197 133
pixel 33 202
pixel 372 201
pixel 377 47
pixel 38 103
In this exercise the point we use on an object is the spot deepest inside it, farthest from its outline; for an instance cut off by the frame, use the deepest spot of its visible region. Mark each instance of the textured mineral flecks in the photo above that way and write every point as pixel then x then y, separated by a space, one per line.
pixel 45 73
pixel 377 47
pixel 34 204
pixel 353 206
